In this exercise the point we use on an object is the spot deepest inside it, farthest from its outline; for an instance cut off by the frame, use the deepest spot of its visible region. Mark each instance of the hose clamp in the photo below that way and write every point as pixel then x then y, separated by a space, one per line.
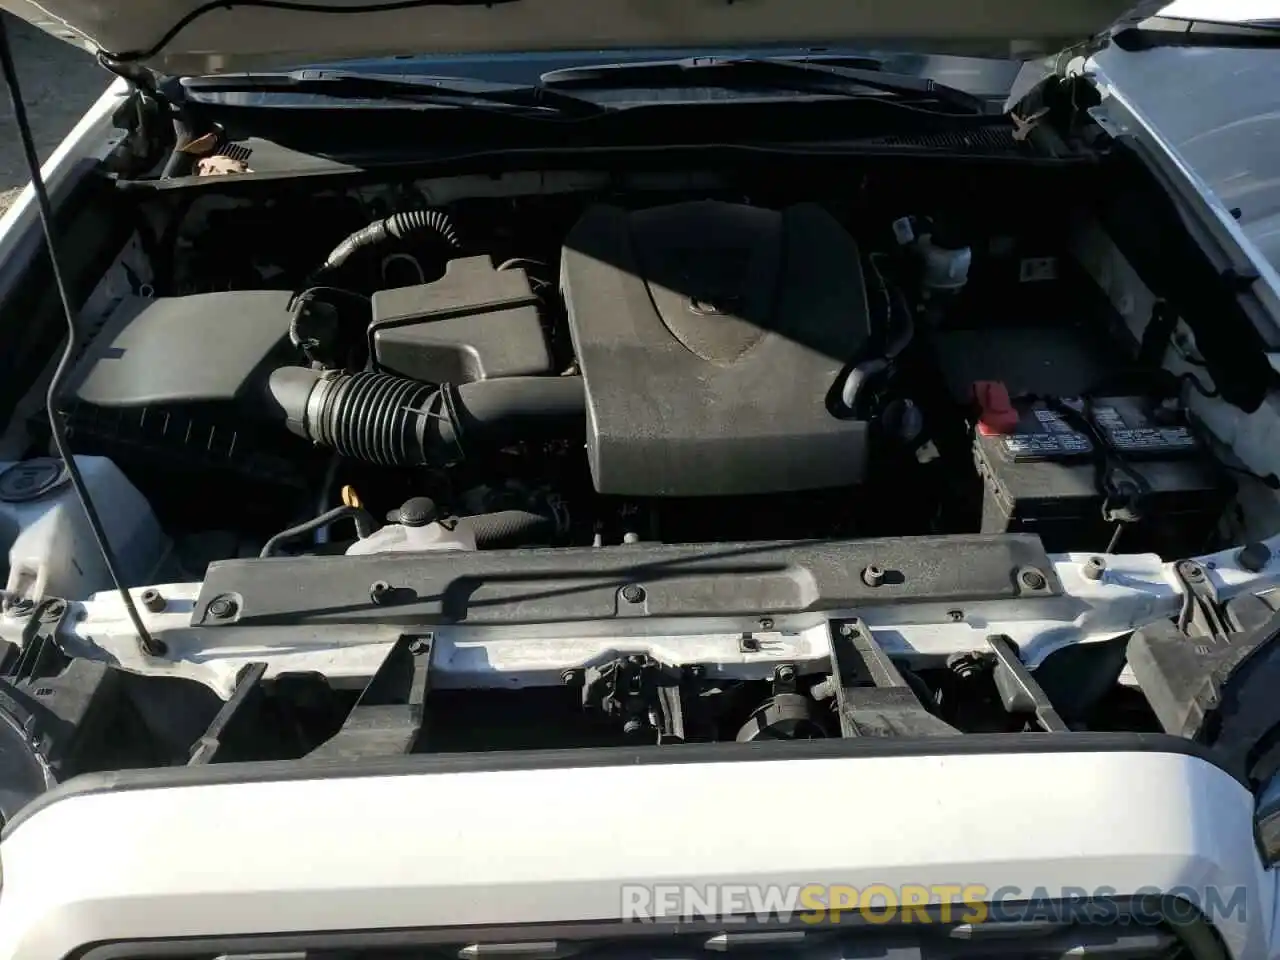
pixel 314 420
pixel 449 399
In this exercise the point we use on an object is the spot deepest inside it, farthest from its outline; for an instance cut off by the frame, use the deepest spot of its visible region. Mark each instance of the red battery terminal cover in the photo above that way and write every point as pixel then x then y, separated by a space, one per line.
pixel 996 415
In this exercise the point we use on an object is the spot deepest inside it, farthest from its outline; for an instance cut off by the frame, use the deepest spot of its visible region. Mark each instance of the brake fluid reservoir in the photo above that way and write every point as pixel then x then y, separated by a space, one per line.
pixel 46 536
pixel 945 264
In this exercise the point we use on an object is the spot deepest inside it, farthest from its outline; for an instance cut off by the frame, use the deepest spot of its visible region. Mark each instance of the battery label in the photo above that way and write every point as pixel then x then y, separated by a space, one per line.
pixel 1135 434
pixel 1052 421
pixel 1124 423
pixel 1054 439
pixel 1046 446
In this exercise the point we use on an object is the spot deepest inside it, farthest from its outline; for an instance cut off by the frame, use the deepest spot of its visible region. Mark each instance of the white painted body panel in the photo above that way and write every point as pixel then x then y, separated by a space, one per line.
pixel 523 846
pixel 1135 589
pixel 214 39
pixel 93 137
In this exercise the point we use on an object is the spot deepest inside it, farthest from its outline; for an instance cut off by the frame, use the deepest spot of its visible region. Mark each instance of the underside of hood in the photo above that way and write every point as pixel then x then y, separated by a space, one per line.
pixel 196 37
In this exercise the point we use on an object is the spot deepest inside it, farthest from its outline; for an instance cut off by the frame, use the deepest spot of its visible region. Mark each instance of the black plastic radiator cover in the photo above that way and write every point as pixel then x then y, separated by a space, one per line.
pixel 548 586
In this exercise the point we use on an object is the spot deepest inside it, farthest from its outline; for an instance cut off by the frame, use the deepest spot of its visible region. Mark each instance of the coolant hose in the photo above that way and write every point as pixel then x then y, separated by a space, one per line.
pixel 396 226
pixel 393 421
pixel 509 528
pixel 902 332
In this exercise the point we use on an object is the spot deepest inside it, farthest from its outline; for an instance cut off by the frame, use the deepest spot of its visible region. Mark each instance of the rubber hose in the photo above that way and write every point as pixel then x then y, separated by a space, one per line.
pixel 509 528
pixel 179 161
pixel 508 410
pixel 396 226
pixel 858 378
pixel 905 327
pixel 902 332
pixel 393 421
pixel 363 527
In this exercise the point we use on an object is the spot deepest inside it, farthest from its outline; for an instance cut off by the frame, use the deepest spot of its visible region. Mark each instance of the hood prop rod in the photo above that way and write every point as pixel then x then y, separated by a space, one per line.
pixel 150 646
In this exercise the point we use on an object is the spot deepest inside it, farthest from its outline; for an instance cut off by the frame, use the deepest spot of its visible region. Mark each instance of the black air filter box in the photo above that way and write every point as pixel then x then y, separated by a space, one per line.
pixel 204 348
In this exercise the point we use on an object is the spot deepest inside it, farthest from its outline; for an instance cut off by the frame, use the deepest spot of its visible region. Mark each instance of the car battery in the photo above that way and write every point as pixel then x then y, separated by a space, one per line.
pixel 1045 466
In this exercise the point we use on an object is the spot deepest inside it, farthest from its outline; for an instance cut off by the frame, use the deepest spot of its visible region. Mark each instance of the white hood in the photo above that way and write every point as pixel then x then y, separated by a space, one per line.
pixel 194 36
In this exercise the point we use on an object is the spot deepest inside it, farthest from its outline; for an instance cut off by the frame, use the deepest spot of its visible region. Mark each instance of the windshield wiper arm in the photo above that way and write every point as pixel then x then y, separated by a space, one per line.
pixel 747 74
pixel 441 91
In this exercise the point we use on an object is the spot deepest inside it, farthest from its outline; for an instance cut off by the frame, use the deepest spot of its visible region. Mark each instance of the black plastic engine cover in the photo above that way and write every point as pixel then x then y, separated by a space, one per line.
pixel 710 336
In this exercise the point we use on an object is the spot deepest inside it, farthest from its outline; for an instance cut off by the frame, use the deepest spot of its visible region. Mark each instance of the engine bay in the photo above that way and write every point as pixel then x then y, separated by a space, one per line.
pixel 601 459
pixel 675 371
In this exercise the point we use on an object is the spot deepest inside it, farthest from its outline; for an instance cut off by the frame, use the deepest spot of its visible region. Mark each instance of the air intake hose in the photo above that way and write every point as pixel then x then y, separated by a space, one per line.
pixel 393 421
pixel 509 528
pixel 396 226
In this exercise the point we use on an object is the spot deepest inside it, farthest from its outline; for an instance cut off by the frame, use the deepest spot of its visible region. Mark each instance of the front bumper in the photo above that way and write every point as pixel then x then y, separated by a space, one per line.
pixel 255 853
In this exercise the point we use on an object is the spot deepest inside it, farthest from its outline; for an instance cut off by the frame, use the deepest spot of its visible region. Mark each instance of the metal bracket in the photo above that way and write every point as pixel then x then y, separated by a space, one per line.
pixel 388 718
pixel 1201 614
pixel 1019 691
pixel 233 720
pixel 38 652
pixel 872 696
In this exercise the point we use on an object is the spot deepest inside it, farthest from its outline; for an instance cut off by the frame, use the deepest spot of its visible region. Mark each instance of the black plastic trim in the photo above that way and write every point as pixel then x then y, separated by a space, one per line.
pixel 1131 912
pixel 436 764
pixel 332 171
pixel 520 587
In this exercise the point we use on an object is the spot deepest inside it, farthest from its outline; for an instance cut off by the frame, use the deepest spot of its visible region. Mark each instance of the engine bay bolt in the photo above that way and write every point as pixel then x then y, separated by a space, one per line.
pixel 571 678
pixel 955 616
pixel 785 674
pixel 380 591
pixel 873 576
pixel 1254 557
pixel 222 608
pixel 633 593
pixel 766 623
pixel 152 600
pixel 1094 568
pixel 1192 571
pixel 847 629
pixel 1033 580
